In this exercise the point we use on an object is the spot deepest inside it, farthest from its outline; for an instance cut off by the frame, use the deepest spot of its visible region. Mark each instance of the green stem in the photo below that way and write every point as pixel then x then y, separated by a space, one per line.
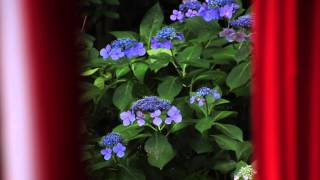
pixel 174 62
pixel 150 126
pixel 207 108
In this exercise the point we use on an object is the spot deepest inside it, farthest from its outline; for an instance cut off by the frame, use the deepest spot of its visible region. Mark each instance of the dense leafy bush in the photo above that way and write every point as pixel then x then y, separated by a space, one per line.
pixel 164 102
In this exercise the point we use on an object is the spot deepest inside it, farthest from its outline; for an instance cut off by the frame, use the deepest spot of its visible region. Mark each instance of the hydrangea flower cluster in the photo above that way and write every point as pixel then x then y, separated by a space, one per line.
pixel 151 109
pixel 113 144
pixel 217 9
pixel 201 93
pixel 165 37
pixel 123 47
pixel 186 9
pixel 231 35
pixel 210 10
pixel 246 173
pixel 244 21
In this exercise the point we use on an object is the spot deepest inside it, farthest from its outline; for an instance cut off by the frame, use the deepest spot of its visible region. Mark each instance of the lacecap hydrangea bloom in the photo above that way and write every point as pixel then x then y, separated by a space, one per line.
pixel 186 9
pixel 153 110
pixel 244 21
pixel 165 37
pixel 113 144
pixel 245 173
pixel 231 35
pixel 202 93
pixel 124 47
pixel 217 9
pixel 209 10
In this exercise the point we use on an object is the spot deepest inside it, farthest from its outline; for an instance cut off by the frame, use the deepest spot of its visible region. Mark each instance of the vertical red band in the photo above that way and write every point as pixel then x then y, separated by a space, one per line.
pixel 286 87
pixel 50 31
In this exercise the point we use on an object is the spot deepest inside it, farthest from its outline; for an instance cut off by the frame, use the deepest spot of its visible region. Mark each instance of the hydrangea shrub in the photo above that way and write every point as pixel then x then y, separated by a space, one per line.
pixel 170 93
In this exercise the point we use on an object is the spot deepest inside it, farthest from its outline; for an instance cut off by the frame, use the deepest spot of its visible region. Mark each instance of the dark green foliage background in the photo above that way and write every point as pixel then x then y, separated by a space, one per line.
pixel 214 153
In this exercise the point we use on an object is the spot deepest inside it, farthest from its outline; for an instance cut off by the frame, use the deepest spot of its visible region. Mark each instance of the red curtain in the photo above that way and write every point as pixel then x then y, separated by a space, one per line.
pixel 286 87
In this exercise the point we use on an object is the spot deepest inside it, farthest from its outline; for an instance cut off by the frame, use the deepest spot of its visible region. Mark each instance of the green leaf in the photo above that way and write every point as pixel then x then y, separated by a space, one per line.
pixel 169 88
pixel 130 173
pixel 244 151
pixel 99 83
pixel 214 75
pixel 178 126
pixel 122 70
pixel 230 130
pixel 226 143
pixel 224 54
pixel 218 115
pixel 239 75
pixel 125 34
pixel 204 124
pixel 128 132
pixel 159 150
pixel 201 144
pixel 112 2
pixel 225 166
pixel 139 70
pixel 100 165
pixel 89 72
pixel 112 15
pixel 243 53
pixel 122 96
pixel 190 54
pixel 151 23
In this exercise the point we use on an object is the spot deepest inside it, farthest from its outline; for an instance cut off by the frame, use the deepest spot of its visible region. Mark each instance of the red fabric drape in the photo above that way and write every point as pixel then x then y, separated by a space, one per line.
pixel 286 87
pixel 50 31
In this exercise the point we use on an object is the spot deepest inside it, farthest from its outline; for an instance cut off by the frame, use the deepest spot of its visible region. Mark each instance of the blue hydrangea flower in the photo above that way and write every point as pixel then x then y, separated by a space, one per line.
pixel 119 149
pixel 174 115
pixel 111 139
pixel 156 119
pixel 244 21
pixel 228 10
pixel 201 93
pixel 124 47
pixel 153 109
pixel 127 118
pixel 228 34
pixel 177 16
pixel 150 104
pixel 239 36
pixel 140 118
pixel 219 3
pixel 186 10
pixel 209 14
pixel 107 153
pixel 113 143
pixel 231 35
pixel 165 37
pixel 217 9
